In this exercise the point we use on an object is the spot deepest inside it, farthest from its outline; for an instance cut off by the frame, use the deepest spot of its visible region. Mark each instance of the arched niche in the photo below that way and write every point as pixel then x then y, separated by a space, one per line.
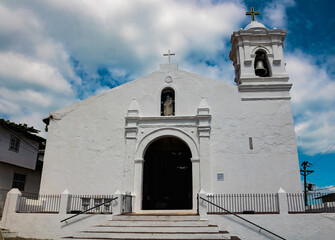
pixel 165 132
pixel 167 102
pixel 261 64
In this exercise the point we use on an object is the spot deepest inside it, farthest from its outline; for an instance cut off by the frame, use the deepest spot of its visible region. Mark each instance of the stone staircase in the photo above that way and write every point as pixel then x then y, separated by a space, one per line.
pixel 136 226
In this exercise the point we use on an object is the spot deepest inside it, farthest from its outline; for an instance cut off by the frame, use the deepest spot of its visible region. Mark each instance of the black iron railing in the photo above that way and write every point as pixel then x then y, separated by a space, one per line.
pixel 244 203
pixel 316 203
pixel 80 203
pixel 38 203
pixel 261 228
pixel 105 202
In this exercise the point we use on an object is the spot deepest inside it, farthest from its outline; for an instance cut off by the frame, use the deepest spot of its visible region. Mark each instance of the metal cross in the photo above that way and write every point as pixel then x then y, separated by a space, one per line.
pixel 252 13
pixel 168 54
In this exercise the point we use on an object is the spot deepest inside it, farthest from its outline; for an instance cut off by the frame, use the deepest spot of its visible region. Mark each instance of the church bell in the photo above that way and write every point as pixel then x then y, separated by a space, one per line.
pixel 260 70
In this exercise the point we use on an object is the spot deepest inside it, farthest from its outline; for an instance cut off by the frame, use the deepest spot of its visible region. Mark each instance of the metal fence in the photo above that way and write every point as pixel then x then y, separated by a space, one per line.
pixel 38 203
pixel 315 203
pixel 252 203
pixel 79 203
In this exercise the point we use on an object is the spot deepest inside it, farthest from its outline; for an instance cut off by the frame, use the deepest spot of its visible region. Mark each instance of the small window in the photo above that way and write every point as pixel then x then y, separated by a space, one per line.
pixel 220 177
pixel 14 144
pixel 167 102
pixel 19 181
pixel 251 145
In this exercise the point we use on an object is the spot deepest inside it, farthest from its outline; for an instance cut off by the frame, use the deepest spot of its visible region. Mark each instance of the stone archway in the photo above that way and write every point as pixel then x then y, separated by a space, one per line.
pixel 141 149
pixel 167 175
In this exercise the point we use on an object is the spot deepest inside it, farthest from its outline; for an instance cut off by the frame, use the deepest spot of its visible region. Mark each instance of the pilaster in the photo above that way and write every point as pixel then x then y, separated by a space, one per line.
pixel 138 178
pixel 195 180
pixel 204 129
pixel 131 130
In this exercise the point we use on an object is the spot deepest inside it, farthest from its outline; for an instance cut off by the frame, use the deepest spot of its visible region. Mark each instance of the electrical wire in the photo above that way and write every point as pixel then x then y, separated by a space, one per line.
pixel 324 188
pixel 324 154
pixel 14 133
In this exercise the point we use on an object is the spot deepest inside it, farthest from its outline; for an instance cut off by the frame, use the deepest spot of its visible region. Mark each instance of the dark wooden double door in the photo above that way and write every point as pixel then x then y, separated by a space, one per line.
pixel 167 175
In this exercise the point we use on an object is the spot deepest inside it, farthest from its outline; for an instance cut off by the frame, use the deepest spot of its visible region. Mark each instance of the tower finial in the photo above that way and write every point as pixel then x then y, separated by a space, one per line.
pixel 252 13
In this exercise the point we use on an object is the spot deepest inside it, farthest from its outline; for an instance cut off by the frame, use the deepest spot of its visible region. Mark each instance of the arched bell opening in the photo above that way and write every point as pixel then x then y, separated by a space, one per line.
pixel 167 175
pixel 167 102
pixel 261 64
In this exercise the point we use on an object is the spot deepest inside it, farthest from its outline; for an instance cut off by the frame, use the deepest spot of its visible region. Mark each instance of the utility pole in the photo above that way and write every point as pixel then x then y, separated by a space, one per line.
pixel 305 173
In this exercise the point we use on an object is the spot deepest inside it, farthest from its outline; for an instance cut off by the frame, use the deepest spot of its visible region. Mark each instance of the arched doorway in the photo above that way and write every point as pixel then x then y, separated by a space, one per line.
pixel 167 175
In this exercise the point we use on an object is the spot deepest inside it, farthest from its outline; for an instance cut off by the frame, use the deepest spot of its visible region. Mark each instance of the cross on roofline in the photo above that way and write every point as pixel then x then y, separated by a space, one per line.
pixel 252 13
pixel 169 54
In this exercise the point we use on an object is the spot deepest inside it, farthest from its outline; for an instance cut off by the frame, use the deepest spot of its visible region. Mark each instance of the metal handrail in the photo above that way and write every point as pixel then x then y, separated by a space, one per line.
pixel 64 220
pixel 242 218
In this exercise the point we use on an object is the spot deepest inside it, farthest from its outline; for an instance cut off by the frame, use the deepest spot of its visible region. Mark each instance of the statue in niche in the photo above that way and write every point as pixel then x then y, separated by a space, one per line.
pixel 168 106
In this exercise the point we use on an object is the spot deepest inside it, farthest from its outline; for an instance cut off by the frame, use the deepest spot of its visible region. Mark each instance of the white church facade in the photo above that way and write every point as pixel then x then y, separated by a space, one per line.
pixel 167 137
pixel 217 138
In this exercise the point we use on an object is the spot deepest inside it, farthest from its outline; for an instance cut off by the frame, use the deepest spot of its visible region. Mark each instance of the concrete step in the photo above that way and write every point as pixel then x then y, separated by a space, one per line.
pixel 155 229
pixel 138 226
pixel 175 223
pixel 162 235
pixel 147 217
pixel 7 234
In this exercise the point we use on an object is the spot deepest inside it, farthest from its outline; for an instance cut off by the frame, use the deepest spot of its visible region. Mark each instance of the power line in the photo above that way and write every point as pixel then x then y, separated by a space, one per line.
pixel 19 137
pixel 329 182
pixel 325 188
pixel 324 154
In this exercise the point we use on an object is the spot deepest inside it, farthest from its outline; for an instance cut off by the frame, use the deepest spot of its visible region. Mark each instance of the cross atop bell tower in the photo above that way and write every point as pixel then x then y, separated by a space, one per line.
pixel 252 13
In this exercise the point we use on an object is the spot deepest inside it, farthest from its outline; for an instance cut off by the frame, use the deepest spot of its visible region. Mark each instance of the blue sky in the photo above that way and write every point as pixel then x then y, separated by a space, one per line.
pixel 56 52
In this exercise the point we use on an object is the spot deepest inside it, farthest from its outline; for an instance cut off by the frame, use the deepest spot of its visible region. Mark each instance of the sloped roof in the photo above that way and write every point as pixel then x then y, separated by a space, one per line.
pixel 21 128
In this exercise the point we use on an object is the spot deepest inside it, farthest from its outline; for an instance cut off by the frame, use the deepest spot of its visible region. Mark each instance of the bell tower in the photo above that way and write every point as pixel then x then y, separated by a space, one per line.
pixel 257 55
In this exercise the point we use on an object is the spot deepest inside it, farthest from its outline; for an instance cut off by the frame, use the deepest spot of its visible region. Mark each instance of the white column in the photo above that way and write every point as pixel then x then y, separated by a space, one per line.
pixel 117 204
pixel 64 202
pixel 138 183
pixel 204 130
pixel 205 164
pixel 129 163
pixel 195 180
pixel 203 206
pixel 282 201
pixel 131 129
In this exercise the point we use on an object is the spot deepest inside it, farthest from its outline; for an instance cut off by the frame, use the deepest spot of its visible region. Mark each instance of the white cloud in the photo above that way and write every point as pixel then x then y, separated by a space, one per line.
pixel 17 69
pixel 325 189
pixel 313 101
pixel 43 44
pixel 134 34
pixel 275 13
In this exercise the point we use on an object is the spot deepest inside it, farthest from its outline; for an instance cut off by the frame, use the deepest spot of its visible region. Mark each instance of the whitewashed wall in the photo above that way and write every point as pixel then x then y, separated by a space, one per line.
pixel 86 152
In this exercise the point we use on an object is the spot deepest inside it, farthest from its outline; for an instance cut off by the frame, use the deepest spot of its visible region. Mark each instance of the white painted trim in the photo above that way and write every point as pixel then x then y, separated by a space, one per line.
pixel 165 132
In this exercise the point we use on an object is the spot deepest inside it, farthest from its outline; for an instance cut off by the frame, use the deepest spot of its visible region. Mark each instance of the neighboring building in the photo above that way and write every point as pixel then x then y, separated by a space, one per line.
pixel 21 157
pixel 330 197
